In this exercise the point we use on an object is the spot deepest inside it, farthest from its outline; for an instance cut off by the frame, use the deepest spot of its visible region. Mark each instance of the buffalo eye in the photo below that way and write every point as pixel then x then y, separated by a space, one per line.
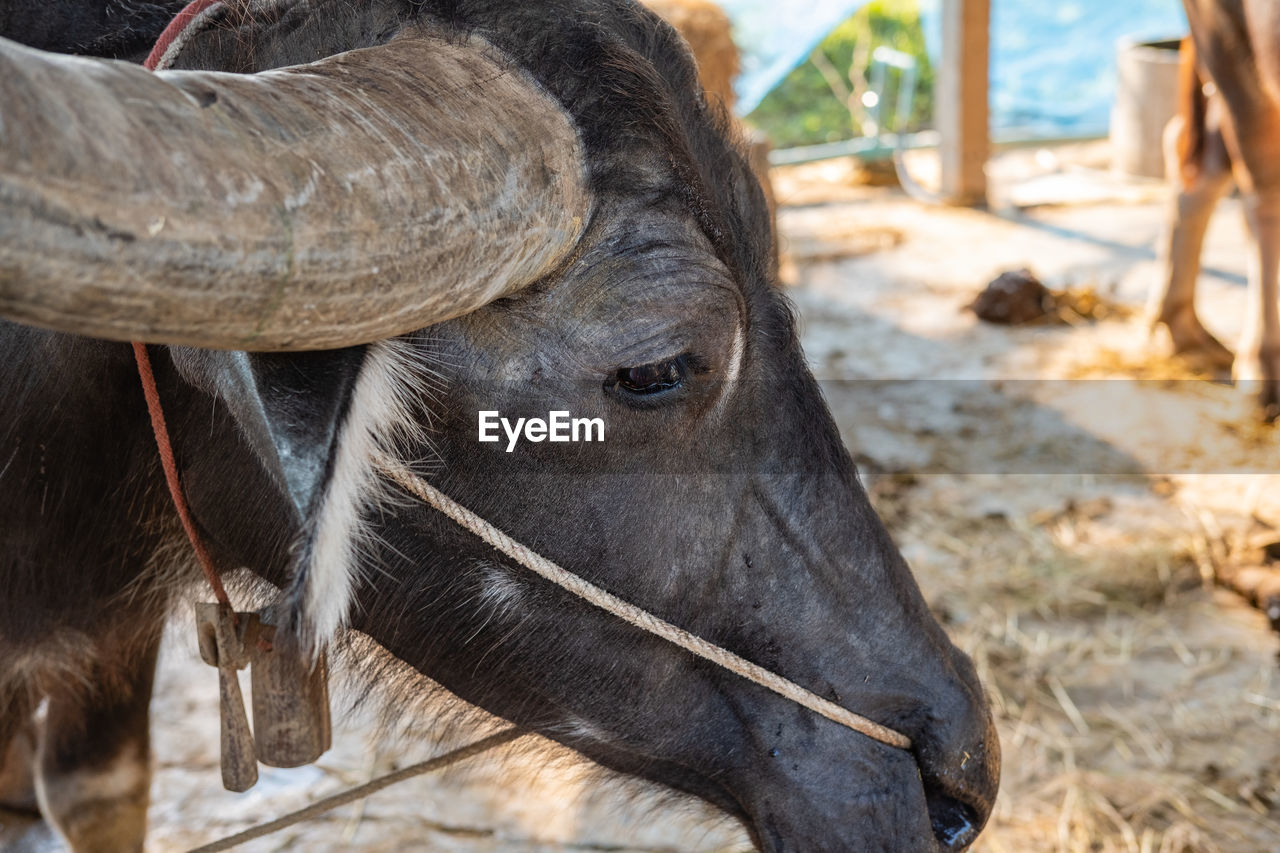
pixel 650 379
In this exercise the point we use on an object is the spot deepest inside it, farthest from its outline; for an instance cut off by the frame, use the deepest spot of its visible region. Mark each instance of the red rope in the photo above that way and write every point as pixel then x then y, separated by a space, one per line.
pixel 180 22
pixel 175 28
pixel 171 471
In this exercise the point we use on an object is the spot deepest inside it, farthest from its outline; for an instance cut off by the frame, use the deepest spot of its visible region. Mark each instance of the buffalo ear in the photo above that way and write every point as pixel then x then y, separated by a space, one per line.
pixel 288 406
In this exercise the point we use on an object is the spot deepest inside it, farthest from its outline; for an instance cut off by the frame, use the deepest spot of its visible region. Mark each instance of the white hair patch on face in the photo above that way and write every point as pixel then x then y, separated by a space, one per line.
pixel 734 368
pixel 501 591
pixel 388 407
pixel 578 729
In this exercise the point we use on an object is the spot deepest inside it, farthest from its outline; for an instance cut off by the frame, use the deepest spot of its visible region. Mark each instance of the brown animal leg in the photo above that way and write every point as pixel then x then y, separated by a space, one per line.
pixel 1173 297
pixel 21 826
pixel 17 775
pixel 17 749
pixel 1258 366
pixel 93 762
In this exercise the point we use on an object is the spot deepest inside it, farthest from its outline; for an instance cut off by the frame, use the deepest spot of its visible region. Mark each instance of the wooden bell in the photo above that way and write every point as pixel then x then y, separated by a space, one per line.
pixel 290 698
pixel 224 643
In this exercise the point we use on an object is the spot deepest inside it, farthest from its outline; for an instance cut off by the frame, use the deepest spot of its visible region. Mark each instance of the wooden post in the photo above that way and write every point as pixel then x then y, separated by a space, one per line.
pixel 962 113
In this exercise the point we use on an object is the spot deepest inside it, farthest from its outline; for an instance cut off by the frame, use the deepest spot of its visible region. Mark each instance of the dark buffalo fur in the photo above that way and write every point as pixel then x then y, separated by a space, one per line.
pixel 120 29
pixel 728 506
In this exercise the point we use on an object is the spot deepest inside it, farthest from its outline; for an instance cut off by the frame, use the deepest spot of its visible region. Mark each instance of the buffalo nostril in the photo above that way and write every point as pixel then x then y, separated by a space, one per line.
pixel 955 824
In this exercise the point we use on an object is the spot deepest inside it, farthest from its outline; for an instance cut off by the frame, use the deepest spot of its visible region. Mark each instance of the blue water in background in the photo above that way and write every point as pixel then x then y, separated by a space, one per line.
pixel 1052 61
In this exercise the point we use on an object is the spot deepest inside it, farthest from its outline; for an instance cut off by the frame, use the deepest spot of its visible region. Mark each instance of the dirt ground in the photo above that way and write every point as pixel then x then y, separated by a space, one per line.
pixel 1066 530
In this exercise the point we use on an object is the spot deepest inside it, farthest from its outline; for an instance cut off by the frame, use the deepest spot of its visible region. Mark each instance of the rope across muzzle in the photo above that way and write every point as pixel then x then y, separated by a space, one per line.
pixel 630 613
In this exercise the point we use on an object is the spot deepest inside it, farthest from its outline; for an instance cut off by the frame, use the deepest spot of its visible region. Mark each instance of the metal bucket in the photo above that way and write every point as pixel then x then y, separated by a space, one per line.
pixel 1146 99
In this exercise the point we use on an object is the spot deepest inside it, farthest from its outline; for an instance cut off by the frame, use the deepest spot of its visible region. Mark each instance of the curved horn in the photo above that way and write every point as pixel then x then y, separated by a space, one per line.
pixel 313 207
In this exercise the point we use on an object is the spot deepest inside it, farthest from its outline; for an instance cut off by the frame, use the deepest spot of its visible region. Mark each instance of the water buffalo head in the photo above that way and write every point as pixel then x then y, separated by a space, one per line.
pixel 471 207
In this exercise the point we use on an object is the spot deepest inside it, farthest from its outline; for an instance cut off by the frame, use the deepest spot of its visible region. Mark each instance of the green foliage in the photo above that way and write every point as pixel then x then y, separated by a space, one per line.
pixel 803 110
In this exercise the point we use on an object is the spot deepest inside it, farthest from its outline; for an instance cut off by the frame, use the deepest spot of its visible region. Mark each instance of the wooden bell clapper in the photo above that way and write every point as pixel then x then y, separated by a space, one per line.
pixel 224 644
pixel 290 698
pixel 290 691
